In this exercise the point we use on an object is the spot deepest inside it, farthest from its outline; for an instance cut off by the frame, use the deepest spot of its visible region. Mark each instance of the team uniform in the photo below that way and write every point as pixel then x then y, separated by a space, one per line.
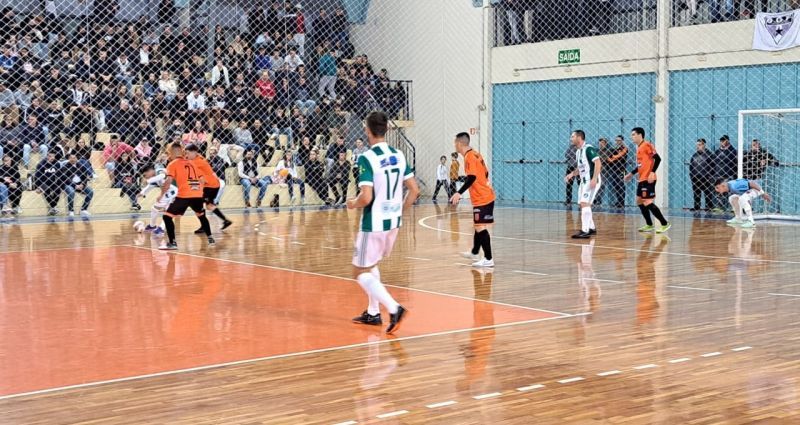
pixel 585 158
pixel 741 197
pixel 190 191
pixel 645 163
pixel 385 169
pixel 213 185
pixel 480 192
pixel 161 205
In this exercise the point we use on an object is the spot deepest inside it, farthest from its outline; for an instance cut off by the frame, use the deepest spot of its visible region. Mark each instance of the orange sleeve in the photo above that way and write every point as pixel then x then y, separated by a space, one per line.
pixel 471 164
pixel 172 170
pixel 650 150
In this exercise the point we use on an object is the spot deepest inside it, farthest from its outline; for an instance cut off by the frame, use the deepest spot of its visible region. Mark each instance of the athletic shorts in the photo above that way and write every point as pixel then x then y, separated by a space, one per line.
pixel 166 200
pixel 749 196
pixel 646 190
pixel 210 194
pixel 180 205
pixel 586 194
pixel 372 247
pixel 483 214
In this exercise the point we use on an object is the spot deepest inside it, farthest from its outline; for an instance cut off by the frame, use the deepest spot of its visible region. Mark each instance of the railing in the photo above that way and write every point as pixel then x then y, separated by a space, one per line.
pixel 694 12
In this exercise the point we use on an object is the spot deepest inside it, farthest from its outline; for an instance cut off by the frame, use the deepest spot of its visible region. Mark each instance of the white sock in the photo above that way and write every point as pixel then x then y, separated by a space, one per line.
pixel 155 217
pixel 591 221
pixel 737 211
pixel 374 307
pixel 748 210
pixel 586 219
pixel 375 289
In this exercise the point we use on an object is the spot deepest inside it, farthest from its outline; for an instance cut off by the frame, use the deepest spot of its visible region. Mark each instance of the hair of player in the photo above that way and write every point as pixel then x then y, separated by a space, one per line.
pixel 378 123
pixel 176 145
pixel 580 133
pixel 191 147
pixel 147 167
pixel 463 137
pixel 639 131
pixel 719 181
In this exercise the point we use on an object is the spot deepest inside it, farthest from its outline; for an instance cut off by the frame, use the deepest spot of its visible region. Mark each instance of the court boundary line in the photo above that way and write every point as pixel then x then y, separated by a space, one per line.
pixel 71 248
pixel 422 223
pixel 278 356
pixel 243 263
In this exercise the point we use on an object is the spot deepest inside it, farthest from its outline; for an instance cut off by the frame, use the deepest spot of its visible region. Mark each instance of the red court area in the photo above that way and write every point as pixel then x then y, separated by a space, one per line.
pixel 77 316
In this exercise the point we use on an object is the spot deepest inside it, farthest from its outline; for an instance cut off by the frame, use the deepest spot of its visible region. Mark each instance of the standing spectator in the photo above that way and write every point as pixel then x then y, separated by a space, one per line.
pixel 571 161
pixel 286 173
pixel 340 175
pixel 726 162
pixel 441 178
pixel 300 30
pixel 604 152
pixel 304 151
pixel 315 176
pixel 615 171
pixel 76 180
pixel 334 151
pixel 340 26
pixel 219 73
pixel 261 139
pixel 125 178
pixel 112 153
pixel 302 97
pixel 248 176
pixel 357 152
pixel 49 181
pixel 454 175
pixel 34 139
pixel 322 28
pixel 756 161
pixel 700 174
pixel 10 186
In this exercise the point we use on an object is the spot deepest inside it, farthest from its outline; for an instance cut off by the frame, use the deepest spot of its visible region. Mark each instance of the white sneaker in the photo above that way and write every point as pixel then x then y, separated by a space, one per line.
pixel 71 214
pixel 483 263
pixel 734 221
pixel 85 213
pixel 470 256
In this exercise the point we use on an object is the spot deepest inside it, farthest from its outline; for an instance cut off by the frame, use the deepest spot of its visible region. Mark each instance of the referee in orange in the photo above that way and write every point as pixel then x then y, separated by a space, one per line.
pixel 482 196
pixel 190 194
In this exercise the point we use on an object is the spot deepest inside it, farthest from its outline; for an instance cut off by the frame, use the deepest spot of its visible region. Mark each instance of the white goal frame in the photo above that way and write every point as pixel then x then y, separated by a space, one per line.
pixel 741 144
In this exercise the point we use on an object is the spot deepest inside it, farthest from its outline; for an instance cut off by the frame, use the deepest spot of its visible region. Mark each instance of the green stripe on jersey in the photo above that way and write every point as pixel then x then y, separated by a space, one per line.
pixel 387 225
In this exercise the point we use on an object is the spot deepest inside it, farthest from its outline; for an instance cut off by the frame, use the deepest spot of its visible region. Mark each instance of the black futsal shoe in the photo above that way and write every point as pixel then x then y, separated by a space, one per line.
pixel 395 319
pixel 368 319
pixel 592 232
pixel 582 235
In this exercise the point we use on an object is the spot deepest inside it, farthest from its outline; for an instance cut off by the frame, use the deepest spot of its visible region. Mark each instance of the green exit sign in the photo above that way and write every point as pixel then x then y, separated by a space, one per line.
pixel 569 56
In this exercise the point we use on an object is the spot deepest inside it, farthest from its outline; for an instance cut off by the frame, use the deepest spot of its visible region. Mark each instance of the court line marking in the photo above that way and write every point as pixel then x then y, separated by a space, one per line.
pixel 680 360
pixel 422 223
pixel 392 414
pixel 71 248
pixel 418 259
pixel 488 395
pixel 714 354
pixel 609 373
pixel 442 404
pixel 242 263
pixel 784 295
pixel 737 349
pixel 570 380
pixel 530 387
pixel 330 248
pixel 297 243
pixel 645 366
pixel 532 273
pixel 603 280
pixel 690 288
pixel 347 423
pixel 278 356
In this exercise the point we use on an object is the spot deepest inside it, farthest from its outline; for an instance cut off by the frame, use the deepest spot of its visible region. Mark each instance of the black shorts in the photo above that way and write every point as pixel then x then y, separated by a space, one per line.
pixel 180 205
pixel 646 190
pixel 210 194
pixel 483 214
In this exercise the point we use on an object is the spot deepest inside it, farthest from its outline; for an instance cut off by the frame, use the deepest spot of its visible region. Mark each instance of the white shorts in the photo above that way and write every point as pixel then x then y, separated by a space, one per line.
pixel 166 199
pixel 586 194
pixel 372 247
pixel 749 196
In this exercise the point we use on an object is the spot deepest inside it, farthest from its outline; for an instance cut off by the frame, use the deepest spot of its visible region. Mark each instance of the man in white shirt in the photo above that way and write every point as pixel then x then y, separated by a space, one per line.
pixel 293 60
pixel 124 71
pixel 196 101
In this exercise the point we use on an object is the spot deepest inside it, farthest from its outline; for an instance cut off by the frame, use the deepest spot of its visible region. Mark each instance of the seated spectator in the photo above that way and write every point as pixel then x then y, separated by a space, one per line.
pixel 150 86
pixel 76 180
pixel 276 60
pixel 112 154
pixel 125 178
pixel 34 139
pixel 261 138
pixel 217 162
pixel 10 186
pixel 168 85
pixel 266 87
pixel 144 152
pixel 359 150
pixel 304 151
pixel 84 154
pixel 123 118
pixel 196 101
pixel 232 154
pixel 48 179
pixel 340 175
pixel 28 68
pixel 283 94
pixel 244 137
pixel 144 131
pixel 55 86
pixel 23 96
pixel 219 74
pixel 104 67
pixel 248 176
pixel 196 136
pixel 286 173
pixel 8 104
pixel 293 60
pixel 336 149
pixel 315 176
pixel 262 61
pixel 302 96
pixel 85 68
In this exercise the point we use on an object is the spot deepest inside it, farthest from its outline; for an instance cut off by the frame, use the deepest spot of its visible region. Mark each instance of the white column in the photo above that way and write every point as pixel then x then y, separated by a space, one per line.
pixel 485 110
pixel 661 130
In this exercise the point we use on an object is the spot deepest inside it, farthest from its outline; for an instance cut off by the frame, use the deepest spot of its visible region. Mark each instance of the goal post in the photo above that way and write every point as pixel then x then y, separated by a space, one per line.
pixel 774 162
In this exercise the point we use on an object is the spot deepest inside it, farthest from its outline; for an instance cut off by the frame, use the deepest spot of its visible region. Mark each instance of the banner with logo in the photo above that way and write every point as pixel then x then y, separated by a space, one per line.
pixel 776 31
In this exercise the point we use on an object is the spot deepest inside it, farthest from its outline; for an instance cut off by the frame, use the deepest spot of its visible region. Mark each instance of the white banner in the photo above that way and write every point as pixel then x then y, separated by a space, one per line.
pixel 776 31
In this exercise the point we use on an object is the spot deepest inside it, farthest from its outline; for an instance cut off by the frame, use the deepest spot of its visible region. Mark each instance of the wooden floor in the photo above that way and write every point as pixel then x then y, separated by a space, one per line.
pixel 699 327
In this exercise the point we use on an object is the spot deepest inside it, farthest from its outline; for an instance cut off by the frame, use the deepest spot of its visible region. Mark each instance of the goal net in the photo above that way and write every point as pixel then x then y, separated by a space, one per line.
pixel 768 153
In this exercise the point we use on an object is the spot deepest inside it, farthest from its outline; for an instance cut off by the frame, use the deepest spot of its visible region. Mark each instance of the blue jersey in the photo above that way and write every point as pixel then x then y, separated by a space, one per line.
pixel 738 186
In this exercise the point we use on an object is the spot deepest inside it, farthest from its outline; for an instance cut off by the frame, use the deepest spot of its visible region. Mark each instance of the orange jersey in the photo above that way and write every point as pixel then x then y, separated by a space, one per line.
pixel 644 159
pixel 204 168
pixel 481 191
pixel 187 177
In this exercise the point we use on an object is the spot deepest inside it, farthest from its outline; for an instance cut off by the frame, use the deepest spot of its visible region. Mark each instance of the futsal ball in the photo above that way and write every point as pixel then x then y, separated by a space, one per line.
pixel 284 172
pixel 138 226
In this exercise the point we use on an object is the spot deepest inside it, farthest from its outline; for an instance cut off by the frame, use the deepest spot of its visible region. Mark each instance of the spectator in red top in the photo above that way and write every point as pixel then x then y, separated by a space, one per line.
pixel 300 31
pixel 112 153
pixel 266 86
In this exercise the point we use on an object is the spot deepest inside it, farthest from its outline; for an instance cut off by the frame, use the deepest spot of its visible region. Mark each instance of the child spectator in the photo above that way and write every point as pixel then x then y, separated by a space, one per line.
pixel 441 178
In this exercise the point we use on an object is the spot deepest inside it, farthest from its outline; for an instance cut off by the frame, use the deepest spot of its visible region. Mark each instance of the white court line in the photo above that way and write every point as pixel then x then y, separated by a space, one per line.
pixel 418 259
pixel 276 238
pixel 329 247
pixel 485 396
pixel 680 360
pixel 298 243
pixel 714 354
pixel 603 280
pixel 392 414
pixel 70 248
pixel 463 264
pixel 532 273
pixel 645 366
pixel 422 221
pixel 569 380
pixel 689 287
pixel 347 423
pixel 609 373
pixel 784 295
pixel 279 356
pixel 442 404
pixel 530 387
pixel 242 263
pixel 746 347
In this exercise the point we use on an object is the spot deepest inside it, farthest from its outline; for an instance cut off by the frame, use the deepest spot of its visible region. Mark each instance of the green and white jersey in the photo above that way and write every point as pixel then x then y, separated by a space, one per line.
pixel 585 157
pixel 385 169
